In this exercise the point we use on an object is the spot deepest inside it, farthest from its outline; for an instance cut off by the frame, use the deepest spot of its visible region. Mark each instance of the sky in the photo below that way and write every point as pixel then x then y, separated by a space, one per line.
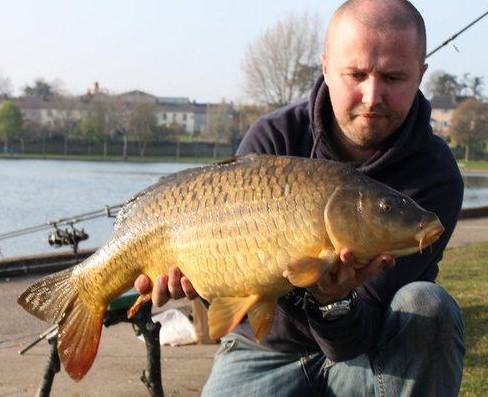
pixel 187 48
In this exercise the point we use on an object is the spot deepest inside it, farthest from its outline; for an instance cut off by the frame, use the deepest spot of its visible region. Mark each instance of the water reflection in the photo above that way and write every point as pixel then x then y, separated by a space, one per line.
pixel 475 190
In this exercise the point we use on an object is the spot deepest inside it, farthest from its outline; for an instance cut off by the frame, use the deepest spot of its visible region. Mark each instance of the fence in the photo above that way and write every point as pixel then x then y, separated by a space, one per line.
pixel 57 146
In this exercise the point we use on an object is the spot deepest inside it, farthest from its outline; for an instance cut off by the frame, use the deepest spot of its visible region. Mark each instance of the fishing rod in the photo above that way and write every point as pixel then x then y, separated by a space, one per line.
pixel 450 39
pixel 108 211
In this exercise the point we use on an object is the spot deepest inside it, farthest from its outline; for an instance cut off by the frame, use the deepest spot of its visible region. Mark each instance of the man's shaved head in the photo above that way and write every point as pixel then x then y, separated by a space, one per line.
pixel 383 16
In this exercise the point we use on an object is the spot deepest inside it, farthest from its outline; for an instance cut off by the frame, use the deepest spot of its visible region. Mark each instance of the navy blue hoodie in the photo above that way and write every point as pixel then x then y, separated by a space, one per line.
pixel 415 162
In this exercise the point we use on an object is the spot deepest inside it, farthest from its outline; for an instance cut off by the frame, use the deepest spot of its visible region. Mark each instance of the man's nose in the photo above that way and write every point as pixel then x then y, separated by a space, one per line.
pixel 372 92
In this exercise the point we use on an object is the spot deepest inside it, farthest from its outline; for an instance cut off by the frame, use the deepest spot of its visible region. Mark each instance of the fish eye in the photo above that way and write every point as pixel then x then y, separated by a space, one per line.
pixel 385 205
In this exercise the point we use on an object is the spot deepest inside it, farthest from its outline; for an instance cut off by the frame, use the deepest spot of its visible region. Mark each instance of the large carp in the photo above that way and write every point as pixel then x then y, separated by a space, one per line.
pixel 233 229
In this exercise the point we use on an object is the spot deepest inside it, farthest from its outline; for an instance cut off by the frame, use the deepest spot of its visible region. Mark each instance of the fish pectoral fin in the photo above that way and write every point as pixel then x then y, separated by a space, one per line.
pixel 307 271
pixel 140 301
pixel 261 318
pixel 225 313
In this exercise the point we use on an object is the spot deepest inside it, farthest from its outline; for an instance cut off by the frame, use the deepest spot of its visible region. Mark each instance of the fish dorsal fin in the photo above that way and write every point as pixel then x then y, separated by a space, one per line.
pixel 225 313
pixel 261 318
pixel 307 271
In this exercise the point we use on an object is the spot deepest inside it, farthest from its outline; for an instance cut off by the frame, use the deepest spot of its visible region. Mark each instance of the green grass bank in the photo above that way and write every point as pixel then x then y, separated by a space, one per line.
pixel 464 273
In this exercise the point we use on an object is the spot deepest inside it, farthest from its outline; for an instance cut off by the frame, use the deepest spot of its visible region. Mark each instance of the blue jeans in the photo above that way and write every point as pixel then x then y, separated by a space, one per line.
pixel 419 353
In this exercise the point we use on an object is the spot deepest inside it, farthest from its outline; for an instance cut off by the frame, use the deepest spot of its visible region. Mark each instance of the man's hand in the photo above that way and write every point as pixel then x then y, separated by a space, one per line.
pixel 172 286
pixel 332 287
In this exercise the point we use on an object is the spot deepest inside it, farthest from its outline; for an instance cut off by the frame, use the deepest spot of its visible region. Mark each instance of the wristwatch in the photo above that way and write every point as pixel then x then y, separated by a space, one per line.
pixel 331 311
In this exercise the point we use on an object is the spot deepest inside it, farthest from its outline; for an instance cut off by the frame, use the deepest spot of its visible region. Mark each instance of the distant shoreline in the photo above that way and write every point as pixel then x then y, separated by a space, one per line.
pixel 470 167
pixel 113 159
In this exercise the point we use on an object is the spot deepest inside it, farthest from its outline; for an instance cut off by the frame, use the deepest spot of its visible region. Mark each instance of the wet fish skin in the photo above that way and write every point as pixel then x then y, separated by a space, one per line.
pixel 233 229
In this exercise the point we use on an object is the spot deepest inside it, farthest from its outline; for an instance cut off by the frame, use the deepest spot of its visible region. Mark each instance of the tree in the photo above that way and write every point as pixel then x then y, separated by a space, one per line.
pixel 473 86
pixel 5 86
pixel 91 130
pixel 10 122
pixel 144 124
pixel 442 84
pixel 40 89
pixel 118 117
pixel 281 65
pixel 469 125
pixel 220 123
pixel 66 118
pixel 247 115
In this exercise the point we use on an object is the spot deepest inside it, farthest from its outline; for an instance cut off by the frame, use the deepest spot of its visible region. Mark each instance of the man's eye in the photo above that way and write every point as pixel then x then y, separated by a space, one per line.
pixel 393 78
pixel 358 76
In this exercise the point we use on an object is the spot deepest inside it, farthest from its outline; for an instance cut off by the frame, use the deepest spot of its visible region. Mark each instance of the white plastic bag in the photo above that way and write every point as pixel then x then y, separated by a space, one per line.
pixel 176 328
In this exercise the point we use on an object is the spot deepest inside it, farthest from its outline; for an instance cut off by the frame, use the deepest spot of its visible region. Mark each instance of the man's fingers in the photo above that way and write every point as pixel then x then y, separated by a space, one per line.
pixel 143 284
pixel 160 293
pixel 174 284
pixel 347 257
pixel 188 289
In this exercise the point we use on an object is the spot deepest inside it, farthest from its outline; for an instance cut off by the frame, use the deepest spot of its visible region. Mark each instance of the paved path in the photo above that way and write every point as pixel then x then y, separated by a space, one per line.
pixel 469 231
pixel 121 358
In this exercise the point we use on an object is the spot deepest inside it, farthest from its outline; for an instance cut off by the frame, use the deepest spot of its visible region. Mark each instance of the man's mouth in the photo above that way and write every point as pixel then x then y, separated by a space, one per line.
pixel 372 115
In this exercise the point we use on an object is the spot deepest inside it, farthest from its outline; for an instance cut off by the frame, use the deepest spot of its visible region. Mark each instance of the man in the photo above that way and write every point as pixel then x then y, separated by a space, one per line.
pixel 386 329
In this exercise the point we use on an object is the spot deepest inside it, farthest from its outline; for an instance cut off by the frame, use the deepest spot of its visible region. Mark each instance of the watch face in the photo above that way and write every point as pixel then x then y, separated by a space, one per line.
pixel 333 310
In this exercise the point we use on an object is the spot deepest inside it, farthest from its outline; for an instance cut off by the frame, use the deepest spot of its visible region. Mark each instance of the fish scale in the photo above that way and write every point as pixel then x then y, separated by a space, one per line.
pixel 234 229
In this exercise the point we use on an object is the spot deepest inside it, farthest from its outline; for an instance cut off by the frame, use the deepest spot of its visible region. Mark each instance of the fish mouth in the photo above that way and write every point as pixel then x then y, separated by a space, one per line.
pixel 429 233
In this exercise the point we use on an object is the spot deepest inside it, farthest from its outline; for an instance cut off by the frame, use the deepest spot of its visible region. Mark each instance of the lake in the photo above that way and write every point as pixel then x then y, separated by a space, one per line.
pixel 35 192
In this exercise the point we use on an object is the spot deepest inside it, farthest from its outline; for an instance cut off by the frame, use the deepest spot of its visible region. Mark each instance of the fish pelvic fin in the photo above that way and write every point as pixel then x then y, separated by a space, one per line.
pixel 55 299
pixel 261 318
pixel 307 271
pixel 225 313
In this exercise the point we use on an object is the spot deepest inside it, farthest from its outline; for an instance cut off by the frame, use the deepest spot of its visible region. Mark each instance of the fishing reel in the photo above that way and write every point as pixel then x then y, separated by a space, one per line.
pixel 73 236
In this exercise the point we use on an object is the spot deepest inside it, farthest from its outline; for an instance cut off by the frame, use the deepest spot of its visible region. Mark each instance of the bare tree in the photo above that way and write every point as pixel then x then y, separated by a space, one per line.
pixel 5 86
pixel 143 124
pixel 118 120
pixel 281 65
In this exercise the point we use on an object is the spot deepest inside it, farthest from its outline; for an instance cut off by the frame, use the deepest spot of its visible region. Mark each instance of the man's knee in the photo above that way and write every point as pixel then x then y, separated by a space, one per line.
pixel 425 299
pixel 427 308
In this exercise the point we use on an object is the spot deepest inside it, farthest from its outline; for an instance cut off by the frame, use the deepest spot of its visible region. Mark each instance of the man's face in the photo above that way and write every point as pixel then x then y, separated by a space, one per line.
pixel 372 77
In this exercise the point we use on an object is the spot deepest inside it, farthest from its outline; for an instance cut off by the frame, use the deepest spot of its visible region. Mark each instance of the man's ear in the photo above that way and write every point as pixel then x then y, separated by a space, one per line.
pixel 422 71
pixel 323 61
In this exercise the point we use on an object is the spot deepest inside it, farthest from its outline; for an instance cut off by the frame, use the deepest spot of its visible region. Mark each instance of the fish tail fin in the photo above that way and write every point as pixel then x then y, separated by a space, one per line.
pixel 55 299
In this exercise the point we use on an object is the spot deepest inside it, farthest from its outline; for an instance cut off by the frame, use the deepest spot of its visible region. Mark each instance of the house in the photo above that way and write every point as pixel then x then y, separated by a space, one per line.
pixel 192 117
pixel 442 110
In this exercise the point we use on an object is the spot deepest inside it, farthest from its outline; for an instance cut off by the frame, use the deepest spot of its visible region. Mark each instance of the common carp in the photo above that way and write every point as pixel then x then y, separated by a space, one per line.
pixel 233 229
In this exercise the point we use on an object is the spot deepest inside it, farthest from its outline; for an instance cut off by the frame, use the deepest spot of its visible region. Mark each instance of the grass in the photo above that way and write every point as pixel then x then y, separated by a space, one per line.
pixel 464 273
pixel 473 166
